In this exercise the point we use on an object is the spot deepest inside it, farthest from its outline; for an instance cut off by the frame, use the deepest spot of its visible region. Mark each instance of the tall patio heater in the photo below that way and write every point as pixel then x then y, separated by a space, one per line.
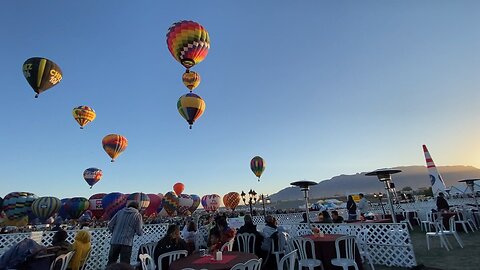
pixel 305 186
pixel 384 175
pixel 471 184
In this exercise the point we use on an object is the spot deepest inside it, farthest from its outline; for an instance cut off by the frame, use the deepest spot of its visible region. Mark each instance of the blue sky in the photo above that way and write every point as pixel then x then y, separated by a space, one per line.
pixel 317 88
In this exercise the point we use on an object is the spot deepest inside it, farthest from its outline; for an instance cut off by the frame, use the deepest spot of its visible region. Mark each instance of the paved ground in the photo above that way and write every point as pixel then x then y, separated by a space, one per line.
pixel 439 258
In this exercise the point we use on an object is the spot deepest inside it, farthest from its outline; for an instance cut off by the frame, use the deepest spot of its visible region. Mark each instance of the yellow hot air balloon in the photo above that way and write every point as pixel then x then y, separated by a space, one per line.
pixel 114 145
pixel 191 107
pixel 191 79
pixel 83 115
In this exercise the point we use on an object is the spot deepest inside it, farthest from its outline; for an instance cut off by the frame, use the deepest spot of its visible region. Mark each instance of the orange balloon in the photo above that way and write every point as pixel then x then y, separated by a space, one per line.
pixel 178 188
pixel 231 200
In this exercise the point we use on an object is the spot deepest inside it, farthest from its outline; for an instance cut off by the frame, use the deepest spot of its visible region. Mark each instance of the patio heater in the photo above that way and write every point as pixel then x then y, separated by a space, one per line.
pixel 384 175
pixel 305 186
pixel 471 184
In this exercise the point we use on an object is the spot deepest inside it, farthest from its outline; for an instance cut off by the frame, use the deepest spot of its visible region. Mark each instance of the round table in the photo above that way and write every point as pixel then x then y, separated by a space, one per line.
pixel 195 261
pixel 325 250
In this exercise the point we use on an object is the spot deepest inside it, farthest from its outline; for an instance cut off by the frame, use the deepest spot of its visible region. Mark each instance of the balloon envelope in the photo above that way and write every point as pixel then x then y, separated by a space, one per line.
pixel 114 145
pixel 188 42
pixel 62 212
pixel 92 176
pixel 155 202
pixel 191 79
pixel 46 207
pixel 141 198
pixel 211 202
pixel 178 188
pixel 96 206
pixel 196 202
pixel 231 200
pixel 185 201
pixel 170 202
pixel 41 74
pixel 18 204
pixel 257 165
pixel 191 106
pixel 83 115
pixel 76 206
pixel 112 203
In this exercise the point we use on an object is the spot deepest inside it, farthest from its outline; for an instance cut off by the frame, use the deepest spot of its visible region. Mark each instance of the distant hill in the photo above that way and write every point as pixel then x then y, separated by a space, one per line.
pixel 412 176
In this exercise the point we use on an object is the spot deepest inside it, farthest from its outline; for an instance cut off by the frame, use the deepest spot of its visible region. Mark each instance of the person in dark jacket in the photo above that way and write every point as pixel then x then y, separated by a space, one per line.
pixel 59 243
pixel 336 218
pixel 249 227
pixel 442 204
pixel 170 242
pixel 352 208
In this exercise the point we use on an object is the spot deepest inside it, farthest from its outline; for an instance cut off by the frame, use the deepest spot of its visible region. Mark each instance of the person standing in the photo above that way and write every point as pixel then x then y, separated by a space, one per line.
pixel 442 204
pixel 352 208
pixel 362 205
pixel 123 226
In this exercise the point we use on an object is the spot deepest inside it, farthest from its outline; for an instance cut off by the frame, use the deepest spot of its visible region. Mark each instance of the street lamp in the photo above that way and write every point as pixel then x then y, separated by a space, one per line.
pixel 252 199
pixel 304 186
pixel 264 199
pixel 471 184
pixel 379 196
pixel 384 175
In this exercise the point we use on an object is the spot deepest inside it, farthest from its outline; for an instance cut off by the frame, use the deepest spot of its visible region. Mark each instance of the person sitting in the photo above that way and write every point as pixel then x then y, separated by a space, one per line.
pixel 188 233
pixel 59 243
pixel 324 217
pixel 21 255
pixel 81 246
pixel 170 242
pixel 336 218
pixel 249 227
pixel 305 218
pixel 220 234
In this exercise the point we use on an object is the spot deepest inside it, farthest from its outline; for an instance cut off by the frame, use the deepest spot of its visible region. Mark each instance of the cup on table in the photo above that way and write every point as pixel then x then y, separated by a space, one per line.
pixel 218 256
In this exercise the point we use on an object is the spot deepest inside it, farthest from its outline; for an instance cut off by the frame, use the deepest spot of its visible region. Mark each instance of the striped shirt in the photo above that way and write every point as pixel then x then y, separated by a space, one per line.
pixel 124 225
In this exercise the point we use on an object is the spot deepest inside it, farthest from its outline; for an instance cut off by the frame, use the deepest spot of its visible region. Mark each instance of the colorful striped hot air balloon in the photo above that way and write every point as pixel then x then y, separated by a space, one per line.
pixel 191 107
pixel 112 203
pixel 141 198
pixel 196 202
pixel 170 203
pixel 191 79
pixel 41 74
pixel 114 145
pixel 83 115
pixel 188 42
pixel 92 176
pixel 46 207
pixel 257 165
pixel 76 206
pixel 18 204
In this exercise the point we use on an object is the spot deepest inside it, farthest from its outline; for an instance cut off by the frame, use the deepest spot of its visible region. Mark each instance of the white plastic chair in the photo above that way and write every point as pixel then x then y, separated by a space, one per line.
pixel 428 222
pixel 349 259
pixel 172 256
pixel 304 246
pixel 64 259
pixel 147 262
pixel 464 221
pixel 453 231
pixel 252 264
pixel 148 248
pixel 438 233
pixel 416 218
pixel 288 261
pixel 303 232
pixel 246 242
pixel 228 246
pixel 406 220
pixel 84 265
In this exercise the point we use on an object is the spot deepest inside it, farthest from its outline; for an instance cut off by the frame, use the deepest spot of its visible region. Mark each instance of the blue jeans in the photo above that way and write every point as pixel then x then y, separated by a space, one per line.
pixel 124 251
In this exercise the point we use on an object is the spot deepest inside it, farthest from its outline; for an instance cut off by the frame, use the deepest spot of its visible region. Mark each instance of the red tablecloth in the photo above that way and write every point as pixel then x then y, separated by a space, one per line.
pixel 384 220
pixel 325 250
pixel 196 261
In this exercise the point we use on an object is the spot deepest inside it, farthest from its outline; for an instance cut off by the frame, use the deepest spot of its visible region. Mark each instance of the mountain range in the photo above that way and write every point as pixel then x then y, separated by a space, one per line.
pixel 411 176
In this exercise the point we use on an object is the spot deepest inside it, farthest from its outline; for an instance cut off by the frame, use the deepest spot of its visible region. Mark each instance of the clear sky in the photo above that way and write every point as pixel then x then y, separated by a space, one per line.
pixel 317 88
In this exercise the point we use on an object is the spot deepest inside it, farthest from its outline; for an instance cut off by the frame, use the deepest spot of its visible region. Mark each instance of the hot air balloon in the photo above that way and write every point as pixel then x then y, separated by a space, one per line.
pixel 170 203
pixel 178 188
pixel 191 107
pixel 155 202
pixel 185 201
pixel 191 79
pixel 112 203
pixel 62 212
pixel 141 198
pixel 96 206
pixel 231 200
pixel 92 176
pixel 18 204
pixel 211 202
pixel 196 203
pixel 76 206
pixel 188 42
pixel 41 74
pixel 114 145
pixel 258 166
pixel 83 115
pixel 45 207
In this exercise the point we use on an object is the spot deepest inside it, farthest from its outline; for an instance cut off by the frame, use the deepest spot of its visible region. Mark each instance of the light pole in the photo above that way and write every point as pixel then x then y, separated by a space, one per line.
pixel 471 184
pixel 252 199
pixel 264 199
pixel 384 175
pixel 379 196
pixel 305 186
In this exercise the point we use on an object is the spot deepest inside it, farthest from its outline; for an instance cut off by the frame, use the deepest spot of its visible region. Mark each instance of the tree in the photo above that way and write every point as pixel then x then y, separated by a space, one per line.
pixel 407 188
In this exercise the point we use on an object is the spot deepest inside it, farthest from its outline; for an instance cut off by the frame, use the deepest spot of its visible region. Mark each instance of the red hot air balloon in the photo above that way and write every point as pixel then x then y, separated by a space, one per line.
pixel 96 206
pixel 178 188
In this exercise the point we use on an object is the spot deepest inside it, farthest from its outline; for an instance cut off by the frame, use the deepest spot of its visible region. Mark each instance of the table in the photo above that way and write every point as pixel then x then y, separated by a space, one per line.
pixel 325 250
pixel 383 220
pixel 230 258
